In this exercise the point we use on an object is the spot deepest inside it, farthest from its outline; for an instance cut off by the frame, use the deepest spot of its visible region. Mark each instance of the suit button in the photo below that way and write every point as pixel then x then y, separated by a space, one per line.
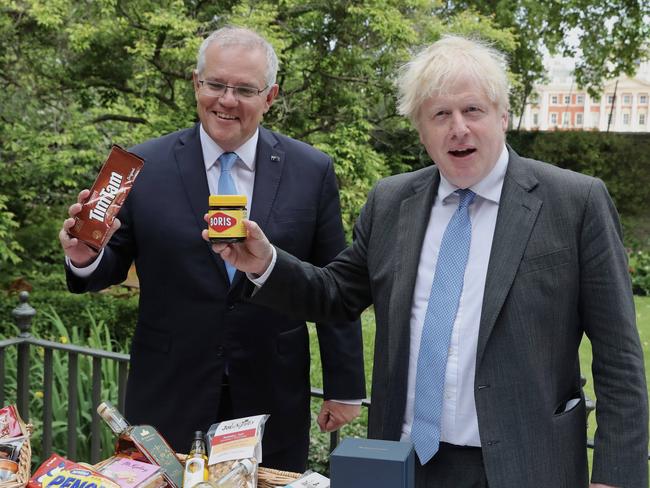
pixel 492 443
pixel 231 307
pixel 219 351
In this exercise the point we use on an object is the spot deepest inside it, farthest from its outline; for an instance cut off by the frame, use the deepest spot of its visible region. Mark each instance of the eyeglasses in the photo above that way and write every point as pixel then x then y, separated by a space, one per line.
pixel 217 89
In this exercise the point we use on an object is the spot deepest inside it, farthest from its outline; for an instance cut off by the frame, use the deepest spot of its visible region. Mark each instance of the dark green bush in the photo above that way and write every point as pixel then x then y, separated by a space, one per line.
pixel 640 272
pixel 622 161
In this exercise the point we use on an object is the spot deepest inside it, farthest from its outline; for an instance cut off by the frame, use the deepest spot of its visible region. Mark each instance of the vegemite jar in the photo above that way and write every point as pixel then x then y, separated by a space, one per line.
pixel 226 218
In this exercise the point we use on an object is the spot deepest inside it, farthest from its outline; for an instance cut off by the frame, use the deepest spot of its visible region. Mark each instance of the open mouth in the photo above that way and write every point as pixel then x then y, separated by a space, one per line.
pixel 461 153
pixel 225 116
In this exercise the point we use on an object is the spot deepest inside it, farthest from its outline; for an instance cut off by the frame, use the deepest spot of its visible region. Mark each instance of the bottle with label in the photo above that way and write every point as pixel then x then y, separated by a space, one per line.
pixel 196 464
pixel 143 441
pixel 236 477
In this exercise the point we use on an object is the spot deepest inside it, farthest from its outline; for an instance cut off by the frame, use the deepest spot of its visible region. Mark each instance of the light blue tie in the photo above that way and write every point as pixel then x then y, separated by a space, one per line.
pixel 227 186
pixel 436 332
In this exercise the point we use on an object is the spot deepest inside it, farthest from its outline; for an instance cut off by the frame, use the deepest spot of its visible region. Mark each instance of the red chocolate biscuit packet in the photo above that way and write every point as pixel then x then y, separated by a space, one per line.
pixel 107 195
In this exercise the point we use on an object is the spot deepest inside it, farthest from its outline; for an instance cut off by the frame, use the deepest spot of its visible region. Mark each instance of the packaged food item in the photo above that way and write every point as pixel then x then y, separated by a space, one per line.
pixel 59 472
pixel 8 470
pixel 10 448
pixel 143 443
pixel 236 477
pixel 233 441
pixel 310 479
pixel 107 195
pixel 129 473
pixel 10 422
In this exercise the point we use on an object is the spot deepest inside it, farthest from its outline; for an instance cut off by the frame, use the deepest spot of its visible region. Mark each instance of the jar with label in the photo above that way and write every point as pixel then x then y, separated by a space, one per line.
pixel 226 218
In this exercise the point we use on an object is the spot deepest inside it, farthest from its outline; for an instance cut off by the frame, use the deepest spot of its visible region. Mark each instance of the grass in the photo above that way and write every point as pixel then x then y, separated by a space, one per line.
pixel 318 452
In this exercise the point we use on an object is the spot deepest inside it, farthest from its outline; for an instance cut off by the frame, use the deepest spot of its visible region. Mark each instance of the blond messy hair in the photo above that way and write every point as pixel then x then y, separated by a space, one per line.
pixel 435 70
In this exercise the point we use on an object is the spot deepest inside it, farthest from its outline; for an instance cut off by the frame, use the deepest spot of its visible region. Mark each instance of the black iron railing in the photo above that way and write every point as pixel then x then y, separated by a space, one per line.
pixel 23 315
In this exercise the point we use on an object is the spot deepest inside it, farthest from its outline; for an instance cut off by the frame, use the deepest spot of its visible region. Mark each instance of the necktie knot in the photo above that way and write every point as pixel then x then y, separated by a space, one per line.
pixel 226 160
pixel 466 198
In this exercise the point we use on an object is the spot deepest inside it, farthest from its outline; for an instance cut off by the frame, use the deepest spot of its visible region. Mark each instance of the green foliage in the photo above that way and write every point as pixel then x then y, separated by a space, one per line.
pixel 640 271
pixel 116 309
pixel 622 161
pixel 9 247
pixel 98 337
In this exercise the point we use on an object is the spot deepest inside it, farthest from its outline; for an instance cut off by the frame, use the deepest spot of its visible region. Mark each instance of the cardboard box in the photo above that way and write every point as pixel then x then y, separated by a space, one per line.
pixel 360 463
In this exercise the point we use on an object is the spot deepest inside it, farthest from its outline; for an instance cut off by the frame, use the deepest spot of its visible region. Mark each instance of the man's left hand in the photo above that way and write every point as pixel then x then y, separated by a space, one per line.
pixel 333 415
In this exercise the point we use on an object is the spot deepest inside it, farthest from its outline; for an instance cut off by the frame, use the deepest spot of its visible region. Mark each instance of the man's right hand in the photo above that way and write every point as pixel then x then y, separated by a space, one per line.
pixel 254 255
pixel 80 254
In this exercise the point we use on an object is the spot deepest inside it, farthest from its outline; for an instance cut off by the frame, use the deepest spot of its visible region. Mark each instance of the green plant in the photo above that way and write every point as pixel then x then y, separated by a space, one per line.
pixel 98 337
pixel 639 263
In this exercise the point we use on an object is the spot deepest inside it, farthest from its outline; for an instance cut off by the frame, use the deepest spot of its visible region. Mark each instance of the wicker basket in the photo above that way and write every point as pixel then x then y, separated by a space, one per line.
pixel 270 478
pixel 266 477
pixel 24 461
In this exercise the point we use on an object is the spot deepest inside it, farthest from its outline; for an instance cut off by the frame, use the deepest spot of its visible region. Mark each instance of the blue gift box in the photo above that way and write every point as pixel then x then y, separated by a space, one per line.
pixel 361 463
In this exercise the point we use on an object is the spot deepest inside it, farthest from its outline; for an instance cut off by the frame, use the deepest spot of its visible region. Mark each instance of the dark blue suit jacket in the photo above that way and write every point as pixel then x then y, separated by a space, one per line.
pixel 192 322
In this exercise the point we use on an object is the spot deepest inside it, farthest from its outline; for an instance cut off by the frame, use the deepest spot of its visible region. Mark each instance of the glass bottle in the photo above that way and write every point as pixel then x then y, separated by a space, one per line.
pixel 196 464
pixel 143 442
pixel 235 478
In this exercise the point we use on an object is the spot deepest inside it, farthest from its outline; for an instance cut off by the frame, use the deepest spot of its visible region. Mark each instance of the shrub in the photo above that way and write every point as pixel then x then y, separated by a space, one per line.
pixel 640 271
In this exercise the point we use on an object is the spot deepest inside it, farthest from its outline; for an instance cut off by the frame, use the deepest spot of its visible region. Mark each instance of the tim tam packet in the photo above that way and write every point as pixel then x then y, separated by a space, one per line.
pixel 107 195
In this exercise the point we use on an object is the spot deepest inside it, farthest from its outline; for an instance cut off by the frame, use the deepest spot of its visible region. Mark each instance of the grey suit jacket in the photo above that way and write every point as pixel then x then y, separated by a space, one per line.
pixel 557 271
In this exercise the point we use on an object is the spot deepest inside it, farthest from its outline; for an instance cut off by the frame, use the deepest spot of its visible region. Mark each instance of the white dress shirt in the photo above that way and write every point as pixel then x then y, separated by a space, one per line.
pixel 459 420
pixel 243 171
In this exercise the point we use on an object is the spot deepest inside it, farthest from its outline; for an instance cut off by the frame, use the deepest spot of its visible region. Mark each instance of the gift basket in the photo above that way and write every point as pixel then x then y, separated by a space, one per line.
pixel 15 449
pixel 270 478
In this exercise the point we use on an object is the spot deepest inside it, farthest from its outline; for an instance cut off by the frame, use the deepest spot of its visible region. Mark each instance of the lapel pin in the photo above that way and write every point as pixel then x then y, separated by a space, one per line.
pixel 275 157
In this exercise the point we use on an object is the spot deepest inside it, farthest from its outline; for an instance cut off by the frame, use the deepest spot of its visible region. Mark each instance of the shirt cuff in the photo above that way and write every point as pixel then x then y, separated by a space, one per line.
pixel 348 402
pixel 258 281
pixel 86 271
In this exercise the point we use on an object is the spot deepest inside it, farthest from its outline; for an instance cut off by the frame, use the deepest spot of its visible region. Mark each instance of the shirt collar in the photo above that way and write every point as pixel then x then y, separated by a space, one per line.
pixel 212 151
pixel 488 188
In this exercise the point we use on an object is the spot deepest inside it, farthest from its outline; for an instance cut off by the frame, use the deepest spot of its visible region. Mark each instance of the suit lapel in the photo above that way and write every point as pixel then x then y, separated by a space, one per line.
pixel 414 215
pixel 268 169
pixel 269 162
pixel 518 210
pixel 189 160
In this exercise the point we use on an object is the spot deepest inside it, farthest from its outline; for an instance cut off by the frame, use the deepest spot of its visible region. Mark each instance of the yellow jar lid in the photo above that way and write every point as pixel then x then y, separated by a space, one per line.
pixel 227 200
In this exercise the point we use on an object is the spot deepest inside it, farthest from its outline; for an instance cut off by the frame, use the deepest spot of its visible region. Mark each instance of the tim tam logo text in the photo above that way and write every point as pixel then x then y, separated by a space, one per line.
pixel 220 221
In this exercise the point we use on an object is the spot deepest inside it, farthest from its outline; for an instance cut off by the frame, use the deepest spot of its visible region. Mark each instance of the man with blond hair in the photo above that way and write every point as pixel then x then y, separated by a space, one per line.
pixel 485 270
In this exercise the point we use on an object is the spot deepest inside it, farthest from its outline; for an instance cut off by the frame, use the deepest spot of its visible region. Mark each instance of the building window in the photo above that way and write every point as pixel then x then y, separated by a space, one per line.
pixel 627 99
pixel 535 119
pixel 626 119
pixel 553 119
pixel 610 99
pixel 643 99
pixel 595 119
pixel 579 119
pixel 553 99
pixel 580 99
pixel 641 119
pixel 567 99
pixel 566 118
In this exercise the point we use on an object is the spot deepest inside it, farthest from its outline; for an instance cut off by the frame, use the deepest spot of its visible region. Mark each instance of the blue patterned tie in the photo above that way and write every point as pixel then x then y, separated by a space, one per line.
pixel 227 186
pixel 436 332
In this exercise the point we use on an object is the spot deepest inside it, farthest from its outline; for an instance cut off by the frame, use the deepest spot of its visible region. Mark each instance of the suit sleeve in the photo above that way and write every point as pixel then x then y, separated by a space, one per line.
pixel 340 343
pixel 116 261
pixel 607 310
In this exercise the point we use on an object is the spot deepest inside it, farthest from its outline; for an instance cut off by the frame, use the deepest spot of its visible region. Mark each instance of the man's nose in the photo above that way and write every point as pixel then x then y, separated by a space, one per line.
pixel 229 98
pixel 458 126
